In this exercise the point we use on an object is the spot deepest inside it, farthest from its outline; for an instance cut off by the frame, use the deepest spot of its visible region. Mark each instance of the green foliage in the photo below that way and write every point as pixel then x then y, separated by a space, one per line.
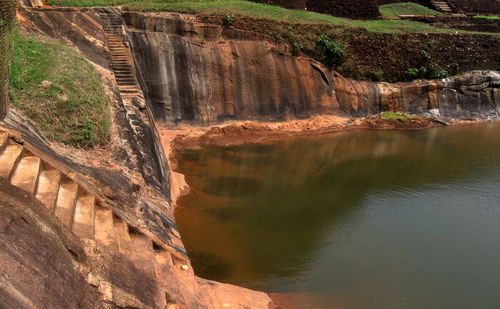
pixel 258 10
pixel 377 76
pixel 333 51
pixel 435 71
pixel 395 116
pixel 424 54
pixel 487 16
pixel 298 48
pixel 453 68
pixel 85 134
pixel 409 8
pixel 415 73
pixel 59 91
pixel 228 19
pixel 432 71
pixel 428 69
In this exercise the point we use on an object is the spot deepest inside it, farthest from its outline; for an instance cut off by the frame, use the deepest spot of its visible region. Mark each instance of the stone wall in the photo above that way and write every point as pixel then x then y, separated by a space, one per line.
pixel 7 20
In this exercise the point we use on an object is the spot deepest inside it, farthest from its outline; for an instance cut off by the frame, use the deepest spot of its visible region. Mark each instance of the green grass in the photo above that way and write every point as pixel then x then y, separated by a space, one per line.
pixel 258 10
pixel 59 91
pixel 409 8
pixel 392 116
pixel 487 16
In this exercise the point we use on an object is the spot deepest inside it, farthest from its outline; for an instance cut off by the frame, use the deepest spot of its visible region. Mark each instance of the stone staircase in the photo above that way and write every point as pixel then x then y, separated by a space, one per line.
pixel 120 57
pixel 442 6
pixel 81 212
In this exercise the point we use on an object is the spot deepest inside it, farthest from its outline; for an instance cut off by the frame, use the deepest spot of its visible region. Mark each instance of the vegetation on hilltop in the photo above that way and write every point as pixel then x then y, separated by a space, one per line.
pixel 379 50
pixel 59 91
pixel 409 8
pixel 243 8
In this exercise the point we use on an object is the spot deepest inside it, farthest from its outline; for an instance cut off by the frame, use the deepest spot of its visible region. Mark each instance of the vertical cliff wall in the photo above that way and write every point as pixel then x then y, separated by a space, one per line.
pixel 204 73
pixel 7 20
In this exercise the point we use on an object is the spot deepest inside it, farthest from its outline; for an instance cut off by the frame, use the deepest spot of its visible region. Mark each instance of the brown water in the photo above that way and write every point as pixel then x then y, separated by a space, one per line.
pixel 367 219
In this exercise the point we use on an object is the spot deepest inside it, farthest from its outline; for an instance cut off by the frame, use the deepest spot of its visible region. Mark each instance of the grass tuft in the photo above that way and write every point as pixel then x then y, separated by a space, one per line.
pixel 409 8
pixel 487 16
pixel 395 116
pixel 59 91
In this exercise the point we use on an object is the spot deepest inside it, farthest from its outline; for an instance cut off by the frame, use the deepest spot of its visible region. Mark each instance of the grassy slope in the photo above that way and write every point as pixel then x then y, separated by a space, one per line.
pixel 409 8
pixel 487 16
pixel 258 10
pixel 59 91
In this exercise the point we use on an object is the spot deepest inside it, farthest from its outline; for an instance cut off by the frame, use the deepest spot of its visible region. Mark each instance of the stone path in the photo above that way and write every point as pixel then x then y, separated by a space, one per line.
pixel 442 6
pixel 81 212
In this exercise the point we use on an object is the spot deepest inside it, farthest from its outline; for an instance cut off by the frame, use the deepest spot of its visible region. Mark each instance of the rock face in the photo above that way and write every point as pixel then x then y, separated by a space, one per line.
pixel 111 239
pixel 193 72
pixel 205 73
pixel 85 238
pixel 35 252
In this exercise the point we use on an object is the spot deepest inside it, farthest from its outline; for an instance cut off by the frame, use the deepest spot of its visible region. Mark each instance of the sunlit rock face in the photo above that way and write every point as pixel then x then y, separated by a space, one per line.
pixel 206 73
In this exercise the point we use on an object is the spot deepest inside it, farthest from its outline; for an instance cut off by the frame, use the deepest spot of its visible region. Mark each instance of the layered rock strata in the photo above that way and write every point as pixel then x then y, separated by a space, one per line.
pixel 205 73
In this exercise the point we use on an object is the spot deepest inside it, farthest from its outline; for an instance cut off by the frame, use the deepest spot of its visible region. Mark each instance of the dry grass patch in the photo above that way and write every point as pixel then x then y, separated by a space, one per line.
pixel 59 91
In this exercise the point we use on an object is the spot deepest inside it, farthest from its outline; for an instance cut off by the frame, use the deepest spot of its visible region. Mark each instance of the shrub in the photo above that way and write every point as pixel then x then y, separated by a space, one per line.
pixel 228 19
pixel 297 48
pixel 435 71
pixel 332 51
pixel 424 54
pixel 377 76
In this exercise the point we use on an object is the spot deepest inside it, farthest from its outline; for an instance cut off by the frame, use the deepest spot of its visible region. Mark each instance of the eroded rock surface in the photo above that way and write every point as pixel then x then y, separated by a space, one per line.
pixel 189 71
pixel 207 73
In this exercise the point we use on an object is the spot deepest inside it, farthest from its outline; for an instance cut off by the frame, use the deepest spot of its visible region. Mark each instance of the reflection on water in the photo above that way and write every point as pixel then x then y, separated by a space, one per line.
pixel 371 219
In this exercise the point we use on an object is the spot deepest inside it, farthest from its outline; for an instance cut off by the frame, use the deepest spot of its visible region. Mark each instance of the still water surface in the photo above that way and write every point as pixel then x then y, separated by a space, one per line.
pixel 369 219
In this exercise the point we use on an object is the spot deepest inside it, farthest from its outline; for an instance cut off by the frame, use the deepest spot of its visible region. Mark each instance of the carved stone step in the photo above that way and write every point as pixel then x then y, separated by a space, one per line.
pixel 66 200
pixel 141 251
pixel 48 187
pixel 26 173
pixel 104 229
pixel 121 231
pixel 84 221
pixel 164 265
pixel 8 159
pixel 4 138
